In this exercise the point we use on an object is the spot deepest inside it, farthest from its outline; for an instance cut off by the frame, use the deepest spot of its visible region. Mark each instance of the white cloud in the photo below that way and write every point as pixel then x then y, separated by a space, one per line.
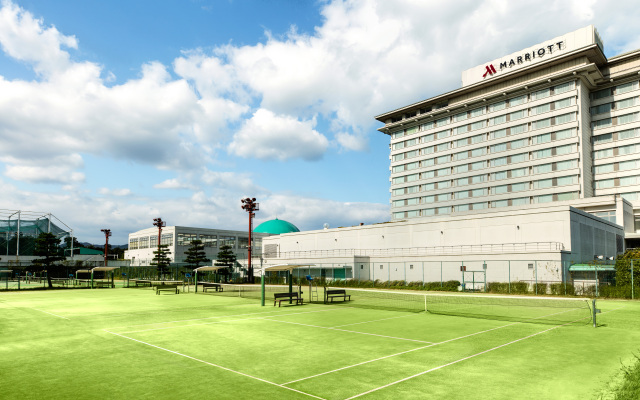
pixel 172 184
pixel 115 192
pixel 270 136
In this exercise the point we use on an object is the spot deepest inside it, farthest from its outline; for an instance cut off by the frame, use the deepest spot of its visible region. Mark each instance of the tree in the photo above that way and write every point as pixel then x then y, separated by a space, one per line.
pixel 161 259
pixel 48 246
pixel 623 268
pixel 196 255
pixel 226 258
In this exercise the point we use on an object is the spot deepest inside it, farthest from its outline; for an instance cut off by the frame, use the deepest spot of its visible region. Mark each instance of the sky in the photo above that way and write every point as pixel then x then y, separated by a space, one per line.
pixel 113 113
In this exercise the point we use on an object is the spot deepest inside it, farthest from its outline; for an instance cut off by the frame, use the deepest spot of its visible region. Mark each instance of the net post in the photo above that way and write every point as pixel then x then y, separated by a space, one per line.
pixel 440 273
pixel 593 310
pixel 631 279
pixel 425 303
pixel 423 274
pixel 290 279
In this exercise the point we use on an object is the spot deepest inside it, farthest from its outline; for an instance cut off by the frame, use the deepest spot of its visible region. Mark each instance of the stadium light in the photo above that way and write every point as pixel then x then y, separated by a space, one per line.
pixel 250 205
pixel 159 223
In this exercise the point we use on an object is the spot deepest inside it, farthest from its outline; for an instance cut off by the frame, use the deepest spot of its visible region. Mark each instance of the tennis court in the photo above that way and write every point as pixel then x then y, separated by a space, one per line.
pixel 130 343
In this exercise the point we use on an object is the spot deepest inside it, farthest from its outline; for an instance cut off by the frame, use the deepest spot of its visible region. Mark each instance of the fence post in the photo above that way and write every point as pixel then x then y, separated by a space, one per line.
pixel 536 271
pixel 389 272
pixel 509 276
pixel 423 273
pixel 440 273
pixel 631 279
pixel 404 264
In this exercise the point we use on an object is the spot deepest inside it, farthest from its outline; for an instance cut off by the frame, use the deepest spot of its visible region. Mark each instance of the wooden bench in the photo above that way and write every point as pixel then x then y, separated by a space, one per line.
pixel 169 288
pixel 335 293
pixel 100 284
pixel 280 297
pixel 142 282
pixel 218 287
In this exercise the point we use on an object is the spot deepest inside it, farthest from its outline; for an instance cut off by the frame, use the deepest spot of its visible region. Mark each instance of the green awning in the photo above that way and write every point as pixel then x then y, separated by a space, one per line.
pixel 591 268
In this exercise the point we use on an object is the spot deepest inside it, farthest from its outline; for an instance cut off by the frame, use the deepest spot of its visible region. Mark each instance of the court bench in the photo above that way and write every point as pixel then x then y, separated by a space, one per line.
pixel 218 287
pixel 280 297
pixel 142 283
pixel 335 293
pixel 100 284
pixel 168 288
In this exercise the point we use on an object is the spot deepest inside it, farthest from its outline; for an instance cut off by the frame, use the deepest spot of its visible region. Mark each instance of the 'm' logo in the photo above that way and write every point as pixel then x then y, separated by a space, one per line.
pixel 490 69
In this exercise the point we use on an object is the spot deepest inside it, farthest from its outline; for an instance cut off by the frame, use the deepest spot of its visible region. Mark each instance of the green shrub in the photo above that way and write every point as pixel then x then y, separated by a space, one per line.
pixel 520 287
pixel 541 288
pixel 498 287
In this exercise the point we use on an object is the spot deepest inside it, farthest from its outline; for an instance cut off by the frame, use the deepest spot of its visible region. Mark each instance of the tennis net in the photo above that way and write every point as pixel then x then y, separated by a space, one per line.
pixel 511 308
pixel 251 291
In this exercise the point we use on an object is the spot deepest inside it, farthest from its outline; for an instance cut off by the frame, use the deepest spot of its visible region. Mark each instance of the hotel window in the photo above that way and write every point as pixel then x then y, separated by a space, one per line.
pixel 461 129
pixel 514 116
pixel 411 142
pixel 413 214
pixel 498 176
pixel 520 201
pixel 412 153
pixel 519 187
pixel 542 169
pixel 496 162
pixel 627 165
pixel 443 197
pixel 479 206
pixel 496 148
pixel 501 105
pixel 563 88
pixel 428 211
pixel 477 139
pixel 412 189
pixel 541 109
pixel 463 155
pixel 627 118
pixel 398 157
pixel 413 177
pixel 546 138
pixel 516 101
pixel 461 195
pixel 428 138
pixel 542 153
pixel 631 197
pixel 498 134
pixel 476 112
pixel 462 207
pixel 562 165
pixel 564 103
pixel 444 210
pixel 517 144
pixel 397 180
pixel 628 134
pixel 564 118
pixel 627 87
pixel 442 122
pixel 398 215
pixel 566 149
pixel 543 199
pixel 462 181
pixel 516 173
pixel 429 199
pixel 601 109
pixel 567 180
pixel 540 94
pixel 541 124
pixel 443 146
pixel 427 163
pixel 462 142
pixel 413 165
pixel 427 126
pixel 444 184
pixel 167 239
pixel 443 171
pixel 428 187
pixel 565 134
pixel 460 117
pixel 413 201
pixel 428 174
pixel 514 130
pixel 601 124
pixel 477 125
pixel 497 120
pixel 479 192
pixel 603 169
pixel 619 105
pixel 477 165
pixel 478 179
pixel 603 154
pixel 478 152
pixel 629 180
pixel 600 94
pixel 606 215
pixel 500 203
pixel 398 192
pixel 133 244
pixel 500 189
pixel 605 184
pixel 412 130
pixel 398 134
pixel 443 159
pixel 397 168
pixel 568 196
pixel 442 134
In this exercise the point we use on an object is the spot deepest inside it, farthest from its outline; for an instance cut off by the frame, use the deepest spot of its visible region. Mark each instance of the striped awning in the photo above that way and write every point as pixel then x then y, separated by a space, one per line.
pixel 591 268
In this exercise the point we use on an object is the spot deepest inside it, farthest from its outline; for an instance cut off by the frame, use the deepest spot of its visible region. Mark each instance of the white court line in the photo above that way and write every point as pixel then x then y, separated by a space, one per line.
pixel 216 365
pixel 345 330
pixel 215 322
pixel 59 316
pixel 416 349
pixel 373 320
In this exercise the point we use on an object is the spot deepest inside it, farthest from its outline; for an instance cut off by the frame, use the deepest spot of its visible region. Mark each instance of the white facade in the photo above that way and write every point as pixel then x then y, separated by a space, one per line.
pixel 556 122
pixel 143 243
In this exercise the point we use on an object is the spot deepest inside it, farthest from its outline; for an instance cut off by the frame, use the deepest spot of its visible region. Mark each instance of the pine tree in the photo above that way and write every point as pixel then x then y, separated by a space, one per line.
pixel 161 260
pixel 196 255
pixel 48 246
pixel 226 258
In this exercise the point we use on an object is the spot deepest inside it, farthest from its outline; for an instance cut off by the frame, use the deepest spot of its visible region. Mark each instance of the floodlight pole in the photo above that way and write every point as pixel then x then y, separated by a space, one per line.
pixel 250 205
pixel 107 233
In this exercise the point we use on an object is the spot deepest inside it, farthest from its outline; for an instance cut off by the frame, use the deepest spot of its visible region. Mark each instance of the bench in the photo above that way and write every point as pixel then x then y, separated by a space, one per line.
pixel 169 288
pixel 142 283
pixel 218 287
pixel 280 297
pixel 100 284
pixel 335 293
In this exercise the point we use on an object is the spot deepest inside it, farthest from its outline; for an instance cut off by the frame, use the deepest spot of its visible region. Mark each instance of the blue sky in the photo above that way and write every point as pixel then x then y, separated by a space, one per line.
pixel 114 113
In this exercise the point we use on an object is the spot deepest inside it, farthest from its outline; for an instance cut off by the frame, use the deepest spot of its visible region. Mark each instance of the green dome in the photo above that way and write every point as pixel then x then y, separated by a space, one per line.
pixel 276 227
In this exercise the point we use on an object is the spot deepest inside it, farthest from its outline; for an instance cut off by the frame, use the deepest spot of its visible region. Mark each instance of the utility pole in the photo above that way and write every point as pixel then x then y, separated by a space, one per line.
pixel 159 223
pixel 107 233
pixel 250 205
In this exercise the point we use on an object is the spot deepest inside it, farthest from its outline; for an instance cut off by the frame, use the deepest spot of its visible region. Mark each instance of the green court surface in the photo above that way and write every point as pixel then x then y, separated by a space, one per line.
pixel 131 344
